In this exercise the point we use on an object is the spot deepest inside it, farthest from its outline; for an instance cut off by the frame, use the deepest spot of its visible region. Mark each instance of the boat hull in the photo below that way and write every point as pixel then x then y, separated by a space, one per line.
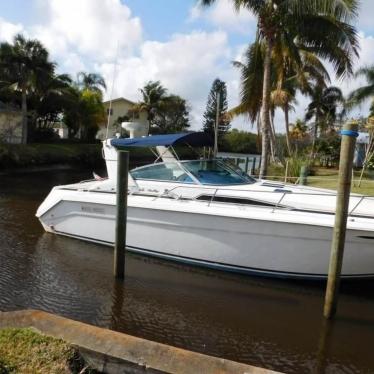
pixel 240 244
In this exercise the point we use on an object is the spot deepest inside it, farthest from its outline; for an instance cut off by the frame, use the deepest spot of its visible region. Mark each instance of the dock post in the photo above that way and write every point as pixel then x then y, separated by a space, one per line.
pixel 303 175
pixel 121 213
pixel 286 172
pixel 253 169
pixel 349 134
pixel 246 165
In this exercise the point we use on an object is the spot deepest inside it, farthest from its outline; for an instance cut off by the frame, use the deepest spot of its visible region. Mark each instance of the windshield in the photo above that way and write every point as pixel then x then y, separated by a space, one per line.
pixel 165 171
pixel 216 172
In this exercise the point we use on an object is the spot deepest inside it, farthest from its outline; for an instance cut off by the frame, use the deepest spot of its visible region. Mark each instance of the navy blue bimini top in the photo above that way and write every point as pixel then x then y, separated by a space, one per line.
pixel 194 139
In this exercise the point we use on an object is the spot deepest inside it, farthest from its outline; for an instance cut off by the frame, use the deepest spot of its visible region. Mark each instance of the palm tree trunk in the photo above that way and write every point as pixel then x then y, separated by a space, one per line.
pixel 265 109
pixel 24 116
pixel 315 134
pixel 287 123
pixel 258 128
pixel 272 142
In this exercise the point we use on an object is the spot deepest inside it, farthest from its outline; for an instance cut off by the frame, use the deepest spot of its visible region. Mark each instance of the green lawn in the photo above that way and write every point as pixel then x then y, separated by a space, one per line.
pixel 26 351
pixel 328 178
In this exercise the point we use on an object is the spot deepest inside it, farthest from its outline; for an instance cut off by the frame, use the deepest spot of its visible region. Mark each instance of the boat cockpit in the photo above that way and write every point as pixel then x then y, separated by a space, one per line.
pixel 201 172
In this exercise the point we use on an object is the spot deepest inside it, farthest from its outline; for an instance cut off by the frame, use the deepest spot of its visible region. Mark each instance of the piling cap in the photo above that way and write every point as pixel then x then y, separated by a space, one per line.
pixel 351 125
pixel 350 129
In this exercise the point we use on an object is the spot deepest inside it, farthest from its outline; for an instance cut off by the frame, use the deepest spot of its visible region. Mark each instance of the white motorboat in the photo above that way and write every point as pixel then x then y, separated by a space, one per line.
pixel 208 212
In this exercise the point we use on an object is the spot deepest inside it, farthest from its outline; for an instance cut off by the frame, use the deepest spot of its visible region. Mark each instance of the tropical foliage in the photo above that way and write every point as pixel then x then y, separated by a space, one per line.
pixel 24 66
pixel 365 92
pixel 323 109
pixel 210 114
pixel 166 113
pixel 29 80
pixel 239 142
pixel 321 28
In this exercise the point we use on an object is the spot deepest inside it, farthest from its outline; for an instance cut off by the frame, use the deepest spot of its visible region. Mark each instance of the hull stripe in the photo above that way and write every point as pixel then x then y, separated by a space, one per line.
pixel 219 265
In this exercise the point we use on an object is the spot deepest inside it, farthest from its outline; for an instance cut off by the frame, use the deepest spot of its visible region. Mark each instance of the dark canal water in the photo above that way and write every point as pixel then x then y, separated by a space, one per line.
pixel 269 323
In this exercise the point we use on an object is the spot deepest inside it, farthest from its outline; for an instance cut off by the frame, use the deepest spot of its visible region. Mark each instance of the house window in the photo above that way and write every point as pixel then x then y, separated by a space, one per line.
pixel 109 112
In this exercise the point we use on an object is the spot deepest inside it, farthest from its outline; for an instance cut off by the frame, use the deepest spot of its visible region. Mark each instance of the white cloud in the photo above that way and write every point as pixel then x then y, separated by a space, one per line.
pixel 223 14
pixel 187 64
pixel 82 35
pixel 88 28
pixel 8 30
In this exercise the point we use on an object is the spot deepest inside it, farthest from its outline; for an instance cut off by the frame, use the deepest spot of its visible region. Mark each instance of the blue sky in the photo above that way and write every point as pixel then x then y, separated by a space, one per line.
pixel 177 42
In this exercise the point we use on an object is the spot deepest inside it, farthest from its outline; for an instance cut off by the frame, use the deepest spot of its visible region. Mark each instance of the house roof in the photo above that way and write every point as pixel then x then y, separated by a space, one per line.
pixel 119 99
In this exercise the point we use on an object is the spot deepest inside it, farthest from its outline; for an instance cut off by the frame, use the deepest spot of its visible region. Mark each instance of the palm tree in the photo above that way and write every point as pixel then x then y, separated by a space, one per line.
pixel 365 92
pixel 287 77
pixel 154 99
pixel 91 81
pixel 50 98
pixel 23 64
pixel 285 98
pixel 321 27
pixel 323 108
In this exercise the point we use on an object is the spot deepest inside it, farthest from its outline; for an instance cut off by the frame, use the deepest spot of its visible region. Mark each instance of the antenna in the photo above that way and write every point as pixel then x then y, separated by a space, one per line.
pixel 111 91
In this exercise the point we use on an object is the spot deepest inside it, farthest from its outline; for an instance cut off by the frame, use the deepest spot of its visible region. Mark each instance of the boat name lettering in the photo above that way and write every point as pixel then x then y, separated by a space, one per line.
pixel 92 209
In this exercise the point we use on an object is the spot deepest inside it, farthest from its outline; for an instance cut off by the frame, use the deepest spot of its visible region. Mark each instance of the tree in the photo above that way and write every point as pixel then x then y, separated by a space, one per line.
pixel 23 64
pixel 174 116
pixel 165 113
pixel 323 108
pixel 239 141
pixel 321 27
pixel 211 109
pixel 91 81
pixel 287 77
pixel 154 97
pixel 84 109
pixel 49 100
pixel 293 75
pixel 366 92
pixel 84 114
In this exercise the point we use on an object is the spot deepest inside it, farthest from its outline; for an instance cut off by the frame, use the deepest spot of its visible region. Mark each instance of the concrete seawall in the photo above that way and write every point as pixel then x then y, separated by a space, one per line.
pixel 114 352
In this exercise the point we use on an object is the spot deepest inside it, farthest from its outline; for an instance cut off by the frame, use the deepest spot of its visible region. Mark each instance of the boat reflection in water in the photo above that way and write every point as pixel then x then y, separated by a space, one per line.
pixel 207 212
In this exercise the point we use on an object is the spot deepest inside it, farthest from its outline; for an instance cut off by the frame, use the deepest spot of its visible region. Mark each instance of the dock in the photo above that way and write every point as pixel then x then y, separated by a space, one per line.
pixel 113 352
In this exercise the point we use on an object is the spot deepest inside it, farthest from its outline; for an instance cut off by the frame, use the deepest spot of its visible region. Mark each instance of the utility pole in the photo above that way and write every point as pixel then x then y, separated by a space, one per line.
pixel 349 134
pixel 216 127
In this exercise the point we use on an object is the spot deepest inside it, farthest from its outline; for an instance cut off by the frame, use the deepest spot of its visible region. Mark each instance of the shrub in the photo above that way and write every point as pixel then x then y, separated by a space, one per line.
pixel 239 142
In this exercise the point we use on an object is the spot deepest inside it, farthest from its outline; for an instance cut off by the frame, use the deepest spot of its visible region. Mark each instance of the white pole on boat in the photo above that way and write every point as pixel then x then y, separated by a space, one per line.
pixel 349 134
pixel 111 92
pixel 216 127
pixel 121 214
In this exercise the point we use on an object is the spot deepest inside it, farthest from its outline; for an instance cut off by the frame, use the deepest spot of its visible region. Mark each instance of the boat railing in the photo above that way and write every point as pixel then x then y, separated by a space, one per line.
pixel 220 191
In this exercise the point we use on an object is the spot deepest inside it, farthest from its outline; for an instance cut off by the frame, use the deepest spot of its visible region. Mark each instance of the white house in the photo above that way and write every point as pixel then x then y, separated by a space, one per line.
pixel 123 108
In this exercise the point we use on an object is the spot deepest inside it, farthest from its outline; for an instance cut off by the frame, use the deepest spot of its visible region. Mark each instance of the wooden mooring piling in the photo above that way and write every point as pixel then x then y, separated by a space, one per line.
pixel 121 213
pixel 349 134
